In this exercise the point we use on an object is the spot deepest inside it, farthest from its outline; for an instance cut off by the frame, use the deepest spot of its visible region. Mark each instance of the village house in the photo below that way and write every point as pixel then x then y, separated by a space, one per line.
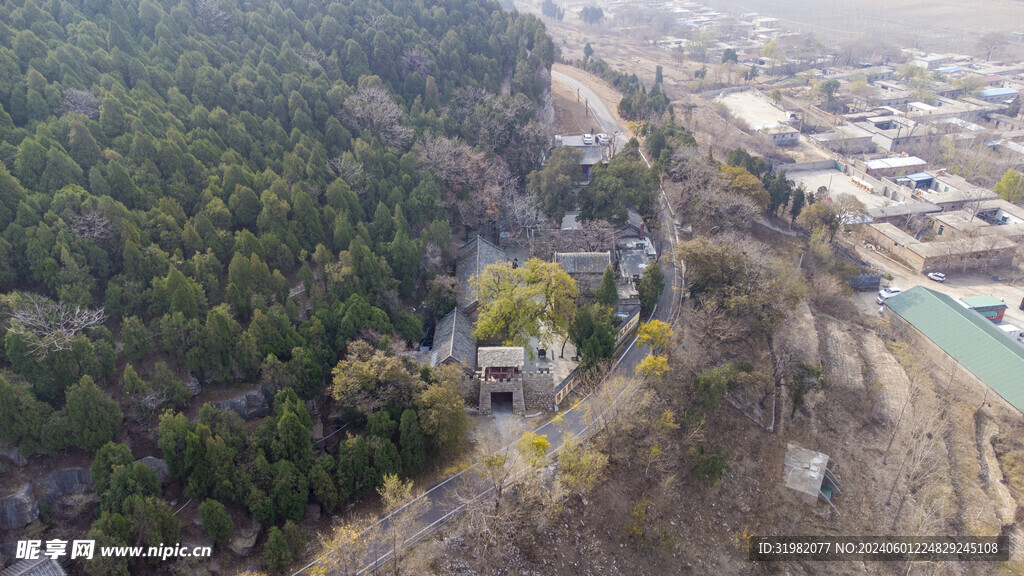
pixel 473 258
pixel 586 268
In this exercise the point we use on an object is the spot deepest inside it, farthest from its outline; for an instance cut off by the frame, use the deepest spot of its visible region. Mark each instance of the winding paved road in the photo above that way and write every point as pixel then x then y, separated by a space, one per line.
pixel 601 113
pixel 447 499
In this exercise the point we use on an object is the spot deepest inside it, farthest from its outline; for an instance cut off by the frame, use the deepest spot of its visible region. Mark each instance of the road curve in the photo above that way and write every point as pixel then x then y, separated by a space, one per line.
pixel 605 118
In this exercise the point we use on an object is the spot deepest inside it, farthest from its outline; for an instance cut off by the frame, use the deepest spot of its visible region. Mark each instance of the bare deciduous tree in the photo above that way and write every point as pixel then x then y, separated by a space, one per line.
pixel 210 12
pixel 50 326
pixel 344 551
pixel 92 224
pixel 923 456
pixel 80 102
pixel 445 156
pixel 398 529
pixel 373 109
pixel 592 236
pixel 347 168
pixel 312 57
pixel 990 43
pixel 418 61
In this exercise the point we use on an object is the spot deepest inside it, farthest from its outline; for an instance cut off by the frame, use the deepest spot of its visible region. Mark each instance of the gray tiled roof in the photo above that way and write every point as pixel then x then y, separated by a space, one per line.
pixel 474 256
pixel 501 356
pixel 453 339
pixel 38 567
pixel 583 262
pixel 632 262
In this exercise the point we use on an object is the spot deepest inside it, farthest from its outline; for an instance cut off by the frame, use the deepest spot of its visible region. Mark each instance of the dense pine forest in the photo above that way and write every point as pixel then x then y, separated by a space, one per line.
pixel 236 195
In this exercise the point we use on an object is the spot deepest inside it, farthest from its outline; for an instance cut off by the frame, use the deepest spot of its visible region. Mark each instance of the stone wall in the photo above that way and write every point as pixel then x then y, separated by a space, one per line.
pixel 469 388
pixel 530 391
pixel 515 386
pixel 539 390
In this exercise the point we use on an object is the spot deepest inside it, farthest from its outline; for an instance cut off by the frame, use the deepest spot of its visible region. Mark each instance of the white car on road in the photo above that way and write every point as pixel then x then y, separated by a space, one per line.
pixel 886 293
pixel 937 276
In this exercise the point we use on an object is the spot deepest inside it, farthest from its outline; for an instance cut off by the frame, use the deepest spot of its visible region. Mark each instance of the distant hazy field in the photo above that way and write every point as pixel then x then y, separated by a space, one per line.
pixel 933 25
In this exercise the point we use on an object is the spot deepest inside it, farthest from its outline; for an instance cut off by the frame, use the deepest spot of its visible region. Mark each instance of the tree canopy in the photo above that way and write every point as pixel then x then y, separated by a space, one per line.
pixel 535 300
pixel 202 195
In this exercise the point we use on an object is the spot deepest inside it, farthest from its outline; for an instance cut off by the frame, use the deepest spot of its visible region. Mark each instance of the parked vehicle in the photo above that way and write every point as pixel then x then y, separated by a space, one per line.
pixel 886 293
pixel 1013 332
pixel 937 276
pixel 588 139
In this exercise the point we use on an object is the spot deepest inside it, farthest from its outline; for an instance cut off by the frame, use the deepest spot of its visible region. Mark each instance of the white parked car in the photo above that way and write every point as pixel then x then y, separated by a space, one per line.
pixel 886 293
pixel 588 139
pixel 937 276
pixel 602 138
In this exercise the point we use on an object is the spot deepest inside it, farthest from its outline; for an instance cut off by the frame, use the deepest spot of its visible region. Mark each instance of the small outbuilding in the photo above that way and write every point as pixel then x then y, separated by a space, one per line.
pixel 988 306
pixel 806 472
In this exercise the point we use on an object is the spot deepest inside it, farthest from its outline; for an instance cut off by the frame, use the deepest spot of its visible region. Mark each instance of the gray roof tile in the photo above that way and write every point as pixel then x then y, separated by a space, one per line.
pixel 453 339
pixel 474 256
pixel 501 356
pixel 583 262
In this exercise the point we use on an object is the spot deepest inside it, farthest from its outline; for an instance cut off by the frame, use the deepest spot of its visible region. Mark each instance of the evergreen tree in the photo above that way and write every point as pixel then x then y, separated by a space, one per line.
pixel 172 434
pixel 171 391
pixel 411 440
pixel 81 145
pixel 322 485
pixel 289 491
pixel 94 416
pixel 131 383
pixel 216 521
pixel 136 338
pixel 386 459
pixel 108 457
pixel 125 481
pixel 607 293
pixel 294 538
pixel 60 171
pixel 276 554
pixel 153 521
pixel 651 285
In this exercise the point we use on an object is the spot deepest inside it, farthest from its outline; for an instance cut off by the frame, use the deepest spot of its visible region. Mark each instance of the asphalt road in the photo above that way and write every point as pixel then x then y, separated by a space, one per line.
pixel 600 111
pixel 447 499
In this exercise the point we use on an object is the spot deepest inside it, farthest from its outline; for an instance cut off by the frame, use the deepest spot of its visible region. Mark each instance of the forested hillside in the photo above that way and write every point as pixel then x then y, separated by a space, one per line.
pixel 237 191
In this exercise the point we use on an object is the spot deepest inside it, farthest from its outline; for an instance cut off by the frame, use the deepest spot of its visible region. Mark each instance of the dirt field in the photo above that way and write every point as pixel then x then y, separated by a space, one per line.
pixel 939 25
pixel 567 110
pixel 606 92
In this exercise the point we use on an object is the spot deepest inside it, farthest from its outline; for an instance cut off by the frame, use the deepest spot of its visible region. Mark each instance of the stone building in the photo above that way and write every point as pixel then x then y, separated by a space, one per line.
pixel 499 370
pixel 453 342
pixel 474 256
pixel 586 268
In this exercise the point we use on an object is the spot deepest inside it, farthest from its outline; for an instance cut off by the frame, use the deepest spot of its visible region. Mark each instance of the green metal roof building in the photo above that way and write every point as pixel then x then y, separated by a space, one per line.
pixel 973 341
